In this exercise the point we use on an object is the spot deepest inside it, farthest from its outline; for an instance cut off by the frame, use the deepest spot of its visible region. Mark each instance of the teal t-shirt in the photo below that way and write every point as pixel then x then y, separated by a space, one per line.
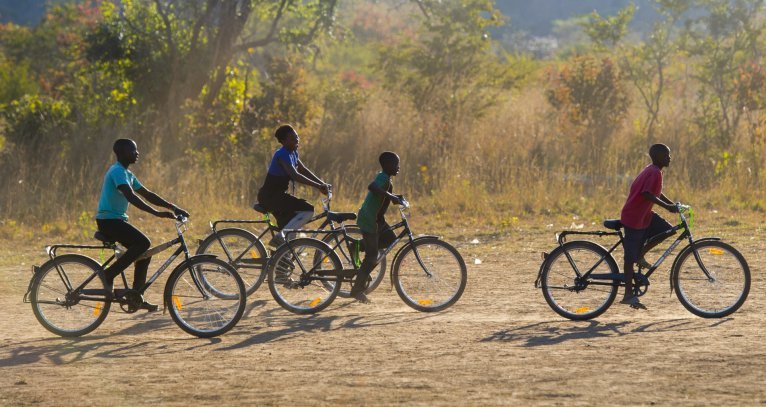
pixel 367 218
pixel 113 204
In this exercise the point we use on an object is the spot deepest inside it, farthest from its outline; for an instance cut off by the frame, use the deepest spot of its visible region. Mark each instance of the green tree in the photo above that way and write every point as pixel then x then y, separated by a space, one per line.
pixel 590 100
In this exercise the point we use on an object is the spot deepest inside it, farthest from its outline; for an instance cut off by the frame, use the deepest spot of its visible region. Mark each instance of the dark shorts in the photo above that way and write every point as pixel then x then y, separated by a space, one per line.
pixel 283 205
pixel 634 239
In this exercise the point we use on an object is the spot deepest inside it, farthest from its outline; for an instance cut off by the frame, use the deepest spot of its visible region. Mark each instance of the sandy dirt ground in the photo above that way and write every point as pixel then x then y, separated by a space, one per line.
pixel 499 345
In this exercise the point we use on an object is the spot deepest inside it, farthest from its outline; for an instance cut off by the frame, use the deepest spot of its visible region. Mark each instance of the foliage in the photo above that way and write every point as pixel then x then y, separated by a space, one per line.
pixel 590 100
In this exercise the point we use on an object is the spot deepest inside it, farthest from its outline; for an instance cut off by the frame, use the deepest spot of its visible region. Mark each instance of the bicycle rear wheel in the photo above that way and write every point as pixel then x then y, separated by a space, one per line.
pixel 566 293
pixel 347 251
pixel 295 276
pixel 197 310
pixel 61 310
pixel 726 289
pixel 435 287
pixel 242 250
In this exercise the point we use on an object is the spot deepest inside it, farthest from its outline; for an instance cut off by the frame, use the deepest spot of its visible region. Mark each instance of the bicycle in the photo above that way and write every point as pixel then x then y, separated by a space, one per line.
pixel 246 252
pixel 428 273
pixel 205 296
pixel 580 278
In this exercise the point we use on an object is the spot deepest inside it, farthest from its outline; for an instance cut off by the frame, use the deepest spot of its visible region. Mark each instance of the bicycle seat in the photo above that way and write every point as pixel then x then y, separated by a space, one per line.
pixel 613 224
pixel 102 237
pixel 259 208
pixel 340 216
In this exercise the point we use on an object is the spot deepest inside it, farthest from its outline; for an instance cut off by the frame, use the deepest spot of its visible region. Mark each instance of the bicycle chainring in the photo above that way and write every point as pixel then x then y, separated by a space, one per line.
pixel 131 301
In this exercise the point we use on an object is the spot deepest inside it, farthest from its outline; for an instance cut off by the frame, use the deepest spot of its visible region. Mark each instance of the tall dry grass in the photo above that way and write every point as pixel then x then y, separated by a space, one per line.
pixel 509 165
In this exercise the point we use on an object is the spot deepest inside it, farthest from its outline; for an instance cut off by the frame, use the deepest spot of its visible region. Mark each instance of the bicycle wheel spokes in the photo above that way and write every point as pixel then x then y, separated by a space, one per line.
pixel 57 308
pixel 439 284
pixel 725 290
pixel 203 311
pixel 298 292
pixel 573 299
pixel 242 250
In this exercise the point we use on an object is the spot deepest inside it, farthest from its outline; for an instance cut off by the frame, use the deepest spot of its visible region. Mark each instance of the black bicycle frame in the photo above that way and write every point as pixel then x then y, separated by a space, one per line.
pixel 269 228
pixel 589 273
pixel 85 294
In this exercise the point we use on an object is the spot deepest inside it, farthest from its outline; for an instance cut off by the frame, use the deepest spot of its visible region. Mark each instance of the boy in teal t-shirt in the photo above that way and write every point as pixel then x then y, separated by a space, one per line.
pixel 371 220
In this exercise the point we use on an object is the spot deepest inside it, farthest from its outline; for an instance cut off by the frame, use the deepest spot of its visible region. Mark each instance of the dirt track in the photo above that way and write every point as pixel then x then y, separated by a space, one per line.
pixel 500 344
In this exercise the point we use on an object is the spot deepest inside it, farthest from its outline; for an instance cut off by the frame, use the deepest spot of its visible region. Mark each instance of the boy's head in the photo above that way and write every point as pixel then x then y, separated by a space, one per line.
pixel 389 162
pixel 287 136
pixel 660 155
pixel 126 150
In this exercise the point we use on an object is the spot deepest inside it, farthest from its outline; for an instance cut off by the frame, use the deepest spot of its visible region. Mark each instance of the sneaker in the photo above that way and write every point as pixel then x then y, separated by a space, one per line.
pixel 362 298
pixel 633 302
pixel 149 306
pixel 277 240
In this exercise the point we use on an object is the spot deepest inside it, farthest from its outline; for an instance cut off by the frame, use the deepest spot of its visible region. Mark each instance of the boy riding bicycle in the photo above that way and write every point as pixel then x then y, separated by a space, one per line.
pixel 291 212
pixel 371 221
pixel 120 188
pixel 640 222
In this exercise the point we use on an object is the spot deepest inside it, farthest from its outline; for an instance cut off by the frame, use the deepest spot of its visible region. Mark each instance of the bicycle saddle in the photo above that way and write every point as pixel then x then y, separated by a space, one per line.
pixel 259 208
pixel 102 237
pixel 613 224
pixel 340 216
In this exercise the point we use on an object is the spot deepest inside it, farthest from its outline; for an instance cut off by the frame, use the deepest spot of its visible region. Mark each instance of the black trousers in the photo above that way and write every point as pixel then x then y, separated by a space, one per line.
pixel 373 242
pixel 136 243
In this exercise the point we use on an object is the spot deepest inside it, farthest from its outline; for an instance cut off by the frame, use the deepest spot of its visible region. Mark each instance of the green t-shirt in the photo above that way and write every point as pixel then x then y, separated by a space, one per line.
pixel 373 203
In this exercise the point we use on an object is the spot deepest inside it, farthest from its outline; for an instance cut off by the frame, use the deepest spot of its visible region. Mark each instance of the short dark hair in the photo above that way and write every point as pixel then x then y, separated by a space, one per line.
pixel 387 156
pixel 122 144
pixel 658 148
pixel 283 131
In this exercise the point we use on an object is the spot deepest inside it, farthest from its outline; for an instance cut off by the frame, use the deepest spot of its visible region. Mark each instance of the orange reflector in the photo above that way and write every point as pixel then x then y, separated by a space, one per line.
pixel 177 303
pixel 582 310
pixel 315 302
pixel 717 252
pixel 254 254
pixel 326 260
pixel 97 310
pixel 425 302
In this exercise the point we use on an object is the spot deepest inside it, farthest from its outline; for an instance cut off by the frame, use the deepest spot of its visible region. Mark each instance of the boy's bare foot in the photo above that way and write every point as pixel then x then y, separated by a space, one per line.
pixel 362 298
pixel 633 302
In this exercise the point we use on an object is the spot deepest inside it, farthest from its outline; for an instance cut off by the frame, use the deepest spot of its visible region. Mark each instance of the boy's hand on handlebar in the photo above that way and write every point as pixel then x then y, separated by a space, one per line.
pixel 672 208
pixel 399 199
pixel 325 188
pixel 181 212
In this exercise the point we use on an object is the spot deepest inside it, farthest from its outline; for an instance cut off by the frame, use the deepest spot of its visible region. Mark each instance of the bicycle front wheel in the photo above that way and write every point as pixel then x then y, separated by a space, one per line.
pixel 429 275
pixel 348 252
pixel 722 290
pixel 197 310
pixel 568 294
pixel 242 250
pixel 56 304
pixel 297 278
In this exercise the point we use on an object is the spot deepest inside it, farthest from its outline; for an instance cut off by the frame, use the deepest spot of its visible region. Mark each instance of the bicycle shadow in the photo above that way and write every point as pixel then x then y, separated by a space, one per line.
pixel 63 351
pixel 281 327
pixel 556 332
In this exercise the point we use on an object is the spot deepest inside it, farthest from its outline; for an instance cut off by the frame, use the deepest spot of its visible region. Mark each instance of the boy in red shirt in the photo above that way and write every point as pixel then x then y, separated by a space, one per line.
pixel 640 223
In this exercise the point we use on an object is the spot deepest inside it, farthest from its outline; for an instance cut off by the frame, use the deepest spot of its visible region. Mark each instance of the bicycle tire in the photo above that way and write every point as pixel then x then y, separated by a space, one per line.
pixel 287 283
pixel 237 240
pixel 410 281
pixel 77 268
pixel 558 270
pixel 688 276
pixel 195 311
pixel 346 258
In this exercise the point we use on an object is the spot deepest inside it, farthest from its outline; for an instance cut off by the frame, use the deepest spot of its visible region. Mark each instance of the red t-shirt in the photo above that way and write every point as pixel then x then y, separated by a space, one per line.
pixel 637 212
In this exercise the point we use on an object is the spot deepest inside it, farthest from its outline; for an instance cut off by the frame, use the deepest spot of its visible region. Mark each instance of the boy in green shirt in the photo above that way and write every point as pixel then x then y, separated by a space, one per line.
pixel 371 220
